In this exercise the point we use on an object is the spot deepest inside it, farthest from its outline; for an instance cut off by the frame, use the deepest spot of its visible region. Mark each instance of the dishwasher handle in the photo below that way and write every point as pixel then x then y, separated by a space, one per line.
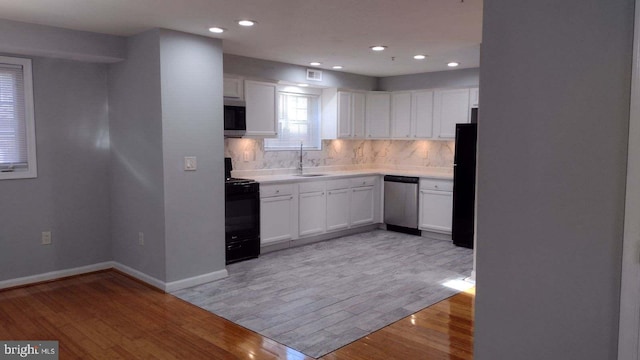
pixel 402 179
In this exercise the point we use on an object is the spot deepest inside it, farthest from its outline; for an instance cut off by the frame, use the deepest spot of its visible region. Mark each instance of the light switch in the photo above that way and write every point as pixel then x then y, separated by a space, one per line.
pixel 190 163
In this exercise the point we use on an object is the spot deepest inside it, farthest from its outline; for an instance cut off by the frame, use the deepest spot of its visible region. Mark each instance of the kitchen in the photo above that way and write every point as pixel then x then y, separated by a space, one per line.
pixel 420 126
pixel 86 199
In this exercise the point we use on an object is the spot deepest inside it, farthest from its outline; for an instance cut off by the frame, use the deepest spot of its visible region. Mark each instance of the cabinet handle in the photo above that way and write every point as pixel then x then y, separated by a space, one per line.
pixel 277 191
pixel 364 182
pixel 436 186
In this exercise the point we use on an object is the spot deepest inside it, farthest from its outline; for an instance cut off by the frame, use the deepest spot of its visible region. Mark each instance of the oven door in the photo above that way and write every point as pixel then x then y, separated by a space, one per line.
pixel 242 216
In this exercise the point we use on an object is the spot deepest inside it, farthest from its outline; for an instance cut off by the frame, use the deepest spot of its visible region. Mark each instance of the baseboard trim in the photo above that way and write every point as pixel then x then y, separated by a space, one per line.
pixel 196 280
pixel 55 275
pixel 148 279
pixel 136 274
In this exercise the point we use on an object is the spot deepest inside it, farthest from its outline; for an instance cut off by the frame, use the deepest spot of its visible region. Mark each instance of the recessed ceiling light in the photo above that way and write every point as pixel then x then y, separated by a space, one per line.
pixel 303 85
pixel 378 47
pixel 315 63
pixel 337 67
pixel 453 64
pixel 217 30
pixel 246 22
pixel 420 57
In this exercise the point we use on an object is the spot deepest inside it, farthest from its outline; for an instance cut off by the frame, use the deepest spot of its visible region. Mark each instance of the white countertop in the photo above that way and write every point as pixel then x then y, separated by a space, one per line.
pixel 433 173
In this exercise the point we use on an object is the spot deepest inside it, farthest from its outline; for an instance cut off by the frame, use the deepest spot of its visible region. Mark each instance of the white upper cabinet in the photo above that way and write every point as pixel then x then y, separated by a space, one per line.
pixel 345 111
pixel 260 98
pixel 450 107
pixel 401 115
pixel 422 113
pixel 358 107
pixel 412 114
pixel 417 114
pixel 378 114
pixel 233 87
pixel 342 114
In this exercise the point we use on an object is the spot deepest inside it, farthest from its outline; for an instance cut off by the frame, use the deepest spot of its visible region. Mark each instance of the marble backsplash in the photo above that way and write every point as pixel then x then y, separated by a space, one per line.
pixel 248 155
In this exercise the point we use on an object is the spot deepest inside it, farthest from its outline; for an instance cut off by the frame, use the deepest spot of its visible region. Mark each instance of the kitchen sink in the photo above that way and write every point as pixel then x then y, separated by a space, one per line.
pixel 310 175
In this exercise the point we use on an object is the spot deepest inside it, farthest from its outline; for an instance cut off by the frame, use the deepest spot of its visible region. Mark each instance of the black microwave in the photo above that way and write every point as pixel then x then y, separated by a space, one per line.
pixel 235 118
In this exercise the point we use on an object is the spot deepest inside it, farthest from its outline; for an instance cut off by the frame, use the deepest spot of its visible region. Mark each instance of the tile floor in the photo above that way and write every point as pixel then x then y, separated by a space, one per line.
pixel 320 297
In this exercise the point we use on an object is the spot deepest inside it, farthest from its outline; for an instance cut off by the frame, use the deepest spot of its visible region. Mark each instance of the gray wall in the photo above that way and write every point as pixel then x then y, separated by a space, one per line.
pixel 70 196
pixel 39 40
pixel 137 169
pixel 275 71
pixel 440 79
pixel 555 85
pixel 192 124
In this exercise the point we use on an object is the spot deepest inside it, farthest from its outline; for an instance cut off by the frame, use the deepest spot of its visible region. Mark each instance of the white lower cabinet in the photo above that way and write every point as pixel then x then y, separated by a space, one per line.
pixel 337 205
pixel 312 203
pixel 436 205
pixel 362 204
pixel 310 208
pixel 278 214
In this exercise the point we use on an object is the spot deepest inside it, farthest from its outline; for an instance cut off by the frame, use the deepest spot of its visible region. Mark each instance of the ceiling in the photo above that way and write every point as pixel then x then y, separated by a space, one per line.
pixel 333 32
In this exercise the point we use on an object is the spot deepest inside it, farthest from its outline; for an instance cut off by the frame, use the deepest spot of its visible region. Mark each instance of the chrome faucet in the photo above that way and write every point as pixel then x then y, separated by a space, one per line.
pixel 300 162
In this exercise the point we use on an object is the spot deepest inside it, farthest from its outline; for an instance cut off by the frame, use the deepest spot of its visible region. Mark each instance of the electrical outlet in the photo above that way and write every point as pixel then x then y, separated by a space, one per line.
pixel 46 238
pixel 140 238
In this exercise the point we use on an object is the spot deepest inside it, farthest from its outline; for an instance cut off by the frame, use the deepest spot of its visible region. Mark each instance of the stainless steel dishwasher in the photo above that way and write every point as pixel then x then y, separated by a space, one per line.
pixel 401 204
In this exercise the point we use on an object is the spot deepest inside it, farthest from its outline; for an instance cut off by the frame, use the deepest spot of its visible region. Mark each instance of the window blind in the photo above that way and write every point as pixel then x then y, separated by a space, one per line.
pixel 13 127
pixel 298 122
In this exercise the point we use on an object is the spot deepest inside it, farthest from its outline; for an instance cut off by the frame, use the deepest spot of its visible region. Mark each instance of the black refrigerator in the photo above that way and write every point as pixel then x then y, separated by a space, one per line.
pixel 464 182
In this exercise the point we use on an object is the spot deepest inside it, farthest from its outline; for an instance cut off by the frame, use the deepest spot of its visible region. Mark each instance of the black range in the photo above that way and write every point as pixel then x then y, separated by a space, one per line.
pixel 242 217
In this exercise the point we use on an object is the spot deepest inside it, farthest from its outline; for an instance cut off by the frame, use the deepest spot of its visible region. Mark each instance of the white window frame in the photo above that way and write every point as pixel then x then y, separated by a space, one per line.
pixel 31 170
pixel 317 99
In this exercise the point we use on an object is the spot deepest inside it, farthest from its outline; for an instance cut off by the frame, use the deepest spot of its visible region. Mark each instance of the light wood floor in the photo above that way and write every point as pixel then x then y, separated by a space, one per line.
pixel 108 315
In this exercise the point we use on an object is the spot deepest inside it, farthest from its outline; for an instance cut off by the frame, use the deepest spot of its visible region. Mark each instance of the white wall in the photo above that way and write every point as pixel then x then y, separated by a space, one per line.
pixel 166 103
pixel 192 125
pixel 70 196
pixel 439 79
pixel 137 169
pixel 276 71
pixel 48 41
pixel 553 126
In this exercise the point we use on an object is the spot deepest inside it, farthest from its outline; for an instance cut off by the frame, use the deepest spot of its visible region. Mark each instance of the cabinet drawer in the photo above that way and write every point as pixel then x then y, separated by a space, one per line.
pixel 363 181
pixel 311 186
pixel 338 184
pixel 276 190
pixel 436 184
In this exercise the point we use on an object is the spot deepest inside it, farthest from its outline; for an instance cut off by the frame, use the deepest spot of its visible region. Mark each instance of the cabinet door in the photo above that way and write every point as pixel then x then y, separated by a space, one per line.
pixel 312 213
pixel 422 113
pixel 362 208
pixel 357 116
pixel 377 114
pixel 261 109
pixel 276 219
pixel 451 107
pixel 401 115
pixel 436 210
pixel 337 209
pixel 344 114
pixel 233 88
